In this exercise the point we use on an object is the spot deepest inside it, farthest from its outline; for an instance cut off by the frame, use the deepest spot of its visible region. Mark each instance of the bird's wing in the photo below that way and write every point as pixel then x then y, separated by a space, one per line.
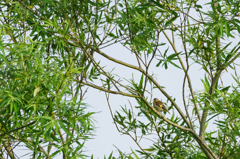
pixel 164 107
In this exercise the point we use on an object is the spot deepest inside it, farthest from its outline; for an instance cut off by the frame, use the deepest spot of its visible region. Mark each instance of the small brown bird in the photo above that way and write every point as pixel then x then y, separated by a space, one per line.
pixel 158 105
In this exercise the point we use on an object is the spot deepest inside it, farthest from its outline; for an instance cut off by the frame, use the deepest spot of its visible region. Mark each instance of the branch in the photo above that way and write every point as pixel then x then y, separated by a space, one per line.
pixel 185 71
pixel 215 79
pixel 106 90
pixel 164 145
pixel 18 128
pixel 202 142
pixel 135 140
pixel 150 77
pixel 234 58
pixel 184 102
pixel 185 76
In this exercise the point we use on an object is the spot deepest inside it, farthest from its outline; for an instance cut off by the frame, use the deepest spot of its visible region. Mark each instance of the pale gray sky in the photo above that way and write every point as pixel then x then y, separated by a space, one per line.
pixel 106 132
pixel 172 79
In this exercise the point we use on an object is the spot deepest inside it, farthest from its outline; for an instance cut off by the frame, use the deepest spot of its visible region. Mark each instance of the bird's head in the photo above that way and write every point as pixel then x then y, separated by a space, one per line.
pixel 155 99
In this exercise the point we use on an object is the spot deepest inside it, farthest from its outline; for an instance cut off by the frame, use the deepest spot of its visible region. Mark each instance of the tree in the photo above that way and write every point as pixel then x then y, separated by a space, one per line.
pixel 58 41
pixel 41 106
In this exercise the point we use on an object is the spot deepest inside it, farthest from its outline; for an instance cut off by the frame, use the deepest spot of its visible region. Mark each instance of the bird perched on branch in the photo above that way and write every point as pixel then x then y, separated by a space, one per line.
pixel 159 106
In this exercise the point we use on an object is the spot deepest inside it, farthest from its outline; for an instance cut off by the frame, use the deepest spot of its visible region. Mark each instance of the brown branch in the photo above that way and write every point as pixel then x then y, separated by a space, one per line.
pixel 135 140
pixel 18 128
pixel 150 77
pixel 122 152
pixel 168 150
pixel 233 59
pixel 148 65
pixel 201 142
pixel 185 71
pixel 109 91
pixel 183 32
pixel 214 82
pixel 184 102
pixel 211 91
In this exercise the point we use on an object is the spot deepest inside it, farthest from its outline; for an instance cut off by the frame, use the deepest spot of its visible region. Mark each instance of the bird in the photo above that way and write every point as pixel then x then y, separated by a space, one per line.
pixel 159 106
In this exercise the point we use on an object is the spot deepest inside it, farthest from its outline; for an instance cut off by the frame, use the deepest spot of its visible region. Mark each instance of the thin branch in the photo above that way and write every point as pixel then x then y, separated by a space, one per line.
pixel 201 142
pixel 233 59
pixel 135 140
pixel 185 71
pixel 148 65
pixel 215 79
pixel 150 77
pixel 184 102
pixel 121 152
pixel 135 132
pixel 18 128
pixel 106 90
pixel 155 126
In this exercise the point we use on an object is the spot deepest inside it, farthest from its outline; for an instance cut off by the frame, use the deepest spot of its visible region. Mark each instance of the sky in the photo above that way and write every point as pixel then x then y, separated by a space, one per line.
pixel 107 138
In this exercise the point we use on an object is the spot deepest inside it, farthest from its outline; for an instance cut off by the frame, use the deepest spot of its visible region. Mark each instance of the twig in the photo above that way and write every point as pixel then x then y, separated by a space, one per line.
pixel 18 128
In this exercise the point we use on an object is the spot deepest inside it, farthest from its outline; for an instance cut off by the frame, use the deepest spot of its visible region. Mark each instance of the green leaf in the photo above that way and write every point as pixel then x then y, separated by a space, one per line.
pixel 171 21
pixel 198 6
pixel 50 110
pixel 110 156
pixel 141 83
pixel 65 129
pixel 221 29
pixel 227 28
pixel 206 84
pixel 135 154
pixel 212 118
pixel 171 57
pixel 225 89
pixel 3 56
pixel 112 35
pixel 175 65
pixel 55 153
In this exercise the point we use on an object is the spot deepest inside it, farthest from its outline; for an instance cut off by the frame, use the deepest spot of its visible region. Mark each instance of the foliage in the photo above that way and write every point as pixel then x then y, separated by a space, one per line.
pixel 48 52
pixel 41 106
